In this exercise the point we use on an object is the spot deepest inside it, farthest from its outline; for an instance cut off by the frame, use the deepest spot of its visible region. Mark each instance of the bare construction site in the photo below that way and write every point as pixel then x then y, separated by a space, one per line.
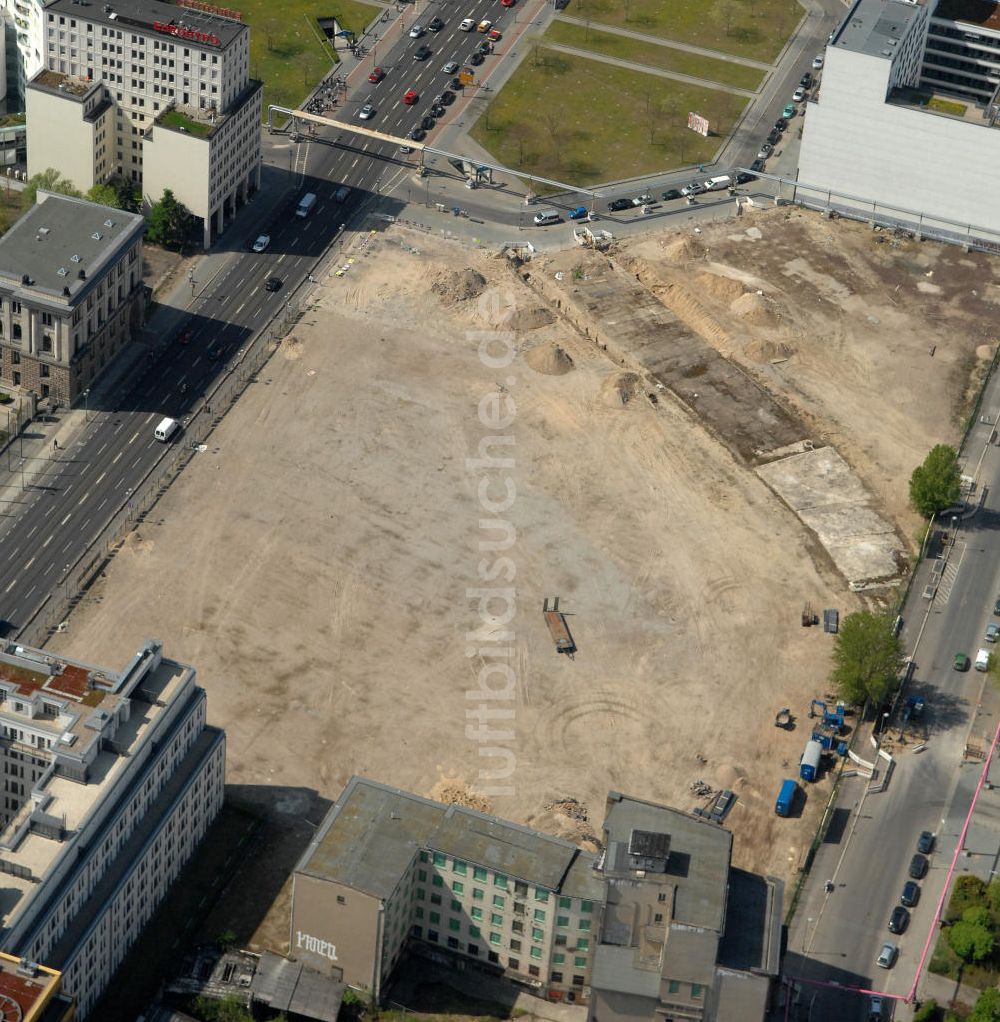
pixel 687 439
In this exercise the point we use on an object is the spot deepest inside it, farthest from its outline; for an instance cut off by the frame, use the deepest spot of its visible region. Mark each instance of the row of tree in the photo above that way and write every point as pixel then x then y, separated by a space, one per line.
pixel 169 220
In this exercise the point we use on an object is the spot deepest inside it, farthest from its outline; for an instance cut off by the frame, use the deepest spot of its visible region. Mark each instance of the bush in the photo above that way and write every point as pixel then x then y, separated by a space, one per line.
pixel 978 915
pixel 970 941
pixel 987 1007
pixel 969 891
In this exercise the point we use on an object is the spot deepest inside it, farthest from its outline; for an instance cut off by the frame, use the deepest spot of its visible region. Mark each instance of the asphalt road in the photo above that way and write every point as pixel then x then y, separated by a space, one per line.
pixel 930 790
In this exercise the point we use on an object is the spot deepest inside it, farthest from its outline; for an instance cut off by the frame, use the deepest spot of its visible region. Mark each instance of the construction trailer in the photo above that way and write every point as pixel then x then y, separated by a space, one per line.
pixel 810 762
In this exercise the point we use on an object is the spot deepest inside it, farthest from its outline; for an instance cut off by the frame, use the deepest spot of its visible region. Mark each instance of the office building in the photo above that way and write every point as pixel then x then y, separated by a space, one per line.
pixel 32 993
pixel 646 930
pixel 906 116
pixel 110 782
pixel 71 294
pixel 153 92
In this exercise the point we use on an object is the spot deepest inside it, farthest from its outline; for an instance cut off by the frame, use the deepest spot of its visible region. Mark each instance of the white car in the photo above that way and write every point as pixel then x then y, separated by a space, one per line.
pixel 367 112
pixel 468 25
pixel 817 61
pixel 887 955
pixel 262 242
pixel 798 95
pixel 451 67
pixel 417 31
pixel 874 1008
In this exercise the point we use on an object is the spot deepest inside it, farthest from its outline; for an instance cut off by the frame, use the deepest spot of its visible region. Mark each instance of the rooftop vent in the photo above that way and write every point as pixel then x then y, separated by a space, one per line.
pixel 97 236
pixel 26 280
pixel 65 291
pixel 62 271
pixel 109 223
pixel 82 274
pixel 74 258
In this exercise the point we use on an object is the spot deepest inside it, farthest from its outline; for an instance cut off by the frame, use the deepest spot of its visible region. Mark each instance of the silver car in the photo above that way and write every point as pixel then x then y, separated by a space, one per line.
pixel 887 955
pixel 992 631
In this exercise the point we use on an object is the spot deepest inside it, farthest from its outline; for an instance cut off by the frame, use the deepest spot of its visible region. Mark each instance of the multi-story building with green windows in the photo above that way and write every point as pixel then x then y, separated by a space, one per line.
pixel 388 868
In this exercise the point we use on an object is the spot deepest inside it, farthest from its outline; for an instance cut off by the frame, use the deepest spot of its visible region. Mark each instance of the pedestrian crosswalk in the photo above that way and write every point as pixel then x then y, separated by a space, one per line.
pixel 949 574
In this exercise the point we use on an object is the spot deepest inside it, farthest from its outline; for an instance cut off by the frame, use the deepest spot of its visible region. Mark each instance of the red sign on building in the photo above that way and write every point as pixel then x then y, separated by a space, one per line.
pixel 187 33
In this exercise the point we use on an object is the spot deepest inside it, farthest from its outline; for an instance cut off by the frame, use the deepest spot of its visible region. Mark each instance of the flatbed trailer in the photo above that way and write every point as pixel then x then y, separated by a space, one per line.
pixel 558 629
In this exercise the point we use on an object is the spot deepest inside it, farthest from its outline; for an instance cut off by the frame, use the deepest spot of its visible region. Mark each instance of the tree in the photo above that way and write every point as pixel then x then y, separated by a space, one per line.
pixel 105 195
pixel 49 180
pixel 927 1012
pixel 867 657
pixel 271 27
pixel 936 483
pixel 987 1007
pixel 971 942
pixel 169 221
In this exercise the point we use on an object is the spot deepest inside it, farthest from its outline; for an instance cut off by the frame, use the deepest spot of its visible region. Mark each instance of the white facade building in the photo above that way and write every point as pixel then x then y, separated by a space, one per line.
pixel 111 781
pixel 153 92
pixel 906 116
pixel 24 42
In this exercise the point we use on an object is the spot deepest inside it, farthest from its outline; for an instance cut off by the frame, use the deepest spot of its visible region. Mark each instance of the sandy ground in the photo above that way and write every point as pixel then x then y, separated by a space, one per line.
pixel 316 562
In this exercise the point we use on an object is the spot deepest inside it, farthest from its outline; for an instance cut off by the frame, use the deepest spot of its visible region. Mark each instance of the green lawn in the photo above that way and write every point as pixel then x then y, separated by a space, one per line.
pixel 552 118
pixel 653 55
pixel 288 50
pixel 175 119
pixel 749 28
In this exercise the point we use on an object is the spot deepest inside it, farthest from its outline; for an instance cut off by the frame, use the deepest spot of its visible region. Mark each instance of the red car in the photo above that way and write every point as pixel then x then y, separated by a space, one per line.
pixel 507 3
pixel 410 97
pixel 376 76
pixel 495 34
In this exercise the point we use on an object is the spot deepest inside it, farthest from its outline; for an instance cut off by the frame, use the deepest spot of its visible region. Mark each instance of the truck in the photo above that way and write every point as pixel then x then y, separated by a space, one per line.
pixel 786 797
pixel 809 764
pixel 305 205
pixel 166 429
pixel 983 660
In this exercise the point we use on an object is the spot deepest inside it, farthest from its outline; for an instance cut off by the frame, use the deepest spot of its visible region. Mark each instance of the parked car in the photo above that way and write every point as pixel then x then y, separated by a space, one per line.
pixel 781 123
pixel 447 97
pixel 925 843
pixel 484 26
pixel 874 1008
pixel 435 25
pixel 911 893
pixel 818 61
pixel 378 73
pixel 484 48
pixel 580 213
pixel 671 193
pixel 789 112
pixel 438 110
pixel 263 240
pixel 642 200
pixel 992 631
pixel 765 151
pixel 507 3
pixel 455 84
pixel 367 112
pixel 918 867
pixel 694 188
pixel 422 53
pixel 757 166
pixel 806 81
pixel 467 25
pixel 887 955
pixel 495 35
pixel 410 97
pixel 405 149
pixel 417 31
pixel 417 134
pixel 996 607
pixel 798 95
pixel 743 177
pixel 774 136
pixel 427 123
pixel 476 59
pixel 617 205
pixel 273 284
pixel 451 67
pixel 899 919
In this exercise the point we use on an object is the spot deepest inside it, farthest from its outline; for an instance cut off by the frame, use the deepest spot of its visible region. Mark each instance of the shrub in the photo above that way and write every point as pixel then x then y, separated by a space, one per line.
pixel 969 891
pixel 927 1012
pixel 971 942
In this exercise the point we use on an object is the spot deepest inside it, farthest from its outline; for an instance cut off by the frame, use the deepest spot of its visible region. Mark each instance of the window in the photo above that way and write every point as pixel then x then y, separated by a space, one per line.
pixel 560 940
pixel 674 986
pixel 558 959
pixel 541 895
pixel 537 934
pixel 493 957
pixel 517 926
pixel 435 917
pixel 439 859
pixel 477 893
pixel 580 962
pixel 476 913
pixel 473 949
pixel 497 901
pixel 585 923
pixel 432 936
pixel 435 899
pixel 458 887
pixel 661 897
pixel 696 990
pixel 44 371
pixel 496 920
pixel 515 945
pixel 565 902
pixel 494 938
pixel 657 918
pixel 533 970
pixel 455 925
pixel 422 875
pixel 514 963
pixel 540 915
pixel 583 943
pixel 16 331
pixel 479 873
pixel 536 952
pixel 499 880
pixel 437 881
pixel 418 913
pixel 562 920
pixel 459 867
pixel 473 931
pixel 586 906
pixel 577 981
pixel 456 906
pixel 423 856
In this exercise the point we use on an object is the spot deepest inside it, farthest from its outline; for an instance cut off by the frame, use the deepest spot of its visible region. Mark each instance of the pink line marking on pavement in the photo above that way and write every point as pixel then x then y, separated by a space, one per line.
pixel 951 869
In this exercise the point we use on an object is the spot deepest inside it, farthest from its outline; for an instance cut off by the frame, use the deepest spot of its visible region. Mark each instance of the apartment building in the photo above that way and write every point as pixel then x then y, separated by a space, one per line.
pixel 157 93
pixel 71 294
pixel 907 106
pixel 32 993
pixel 658 926
pixel 110 782
pixel 389 870
pixel 23 42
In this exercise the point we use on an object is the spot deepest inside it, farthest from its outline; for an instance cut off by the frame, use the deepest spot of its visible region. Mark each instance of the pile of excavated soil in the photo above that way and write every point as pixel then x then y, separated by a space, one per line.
pixel 724 288
pixel 984 352
pixel 549 359
pixel 767 351
pixel 529 319
pixel 454 791
pixel 459 286
pixel 752 307
pixel 682 249
pixel 618 390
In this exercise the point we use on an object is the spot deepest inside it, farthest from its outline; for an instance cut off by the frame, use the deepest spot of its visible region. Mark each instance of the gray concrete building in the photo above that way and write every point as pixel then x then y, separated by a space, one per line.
pixel 906 116
pixel 71 294
pixel 645 930
pixel 154 92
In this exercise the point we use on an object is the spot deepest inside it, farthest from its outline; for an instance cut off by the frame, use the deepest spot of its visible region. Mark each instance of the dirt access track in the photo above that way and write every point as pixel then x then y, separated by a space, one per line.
pixel 345 559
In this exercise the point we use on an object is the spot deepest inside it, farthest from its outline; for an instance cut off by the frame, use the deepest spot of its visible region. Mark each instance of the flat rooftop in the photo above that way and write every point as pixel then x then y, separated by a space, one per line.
pixel 369 838
pixel 45 252
pixel 982 13
pixel 145 14
pixel 875 27
pixel 26 985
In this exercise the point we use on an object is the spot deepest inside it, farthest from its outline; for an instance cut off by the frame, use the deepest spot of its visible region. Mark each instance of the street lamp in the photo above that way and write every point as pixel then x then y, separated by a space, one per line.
pixel 86 409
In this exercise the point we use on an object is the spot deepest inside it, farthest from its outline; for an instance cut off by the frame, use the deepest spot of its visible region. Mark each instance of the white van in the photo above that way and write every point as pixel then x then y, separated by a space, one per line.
pixel 306 204
pixel 546 217
pixel 166 429
pixel 983 660
pixel 716 184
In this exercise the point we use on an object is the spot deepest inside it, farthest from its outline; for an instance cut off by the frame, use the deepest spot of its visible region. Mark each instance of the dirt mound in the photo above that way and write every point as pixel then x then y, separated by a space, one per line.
pixel 454 791
pixel 291 347
pixel 682 249
pixel 549 359
pixel 567 818
pixel 724 288
pixel 984 352
pixel 134 543
pixel 459 286
pixel 619 389
pixel 753 307
pixel 530 319
pixel 767 351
